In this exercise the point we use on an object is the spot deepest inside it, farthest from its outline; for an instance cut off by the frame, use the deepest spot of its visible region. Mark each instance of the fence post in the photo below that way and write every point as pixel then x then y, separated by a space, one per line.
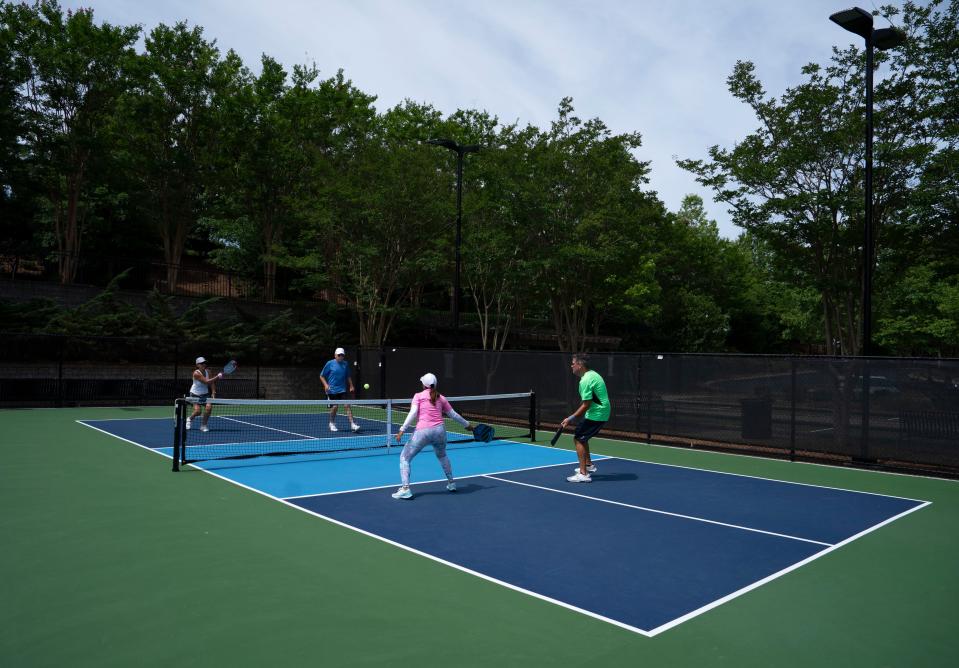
pixel 792 418
pixel 382 372
pixel 60 371
pixel 864 427
pixel 258 358
pixel 176 365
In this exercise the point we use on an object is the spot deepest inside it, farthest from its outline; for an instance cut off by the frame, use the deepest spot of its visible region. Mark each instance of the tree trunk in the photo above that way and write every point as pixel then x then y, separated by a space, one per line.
pixel 68 229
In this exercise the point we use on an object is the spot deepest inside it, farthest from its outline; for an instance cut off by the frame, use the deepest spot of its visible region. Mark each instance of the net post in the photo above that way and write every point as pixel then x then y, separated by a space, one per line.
pixel 532 416
pixel 178 413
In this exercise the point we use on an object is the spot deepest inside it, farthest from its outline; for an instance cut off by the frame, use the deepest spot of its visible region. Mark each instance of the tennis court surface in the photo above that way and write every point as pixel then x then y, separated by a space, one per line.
pixel 691 539
pixel 683 545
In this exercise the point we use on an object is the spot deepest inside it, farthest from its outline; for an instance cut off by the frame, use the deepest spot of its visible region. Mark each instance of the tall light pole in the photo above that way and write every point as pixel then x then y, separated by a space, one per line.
pixel 460 150
pixel 859 21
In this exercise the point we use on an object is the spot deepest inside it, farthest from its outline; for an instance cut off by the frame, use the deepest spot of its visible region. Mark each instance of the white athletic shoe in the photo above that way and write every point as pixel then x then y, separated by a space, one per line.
pixel 189 423
pixel 354 426
pixel 579 477
pixel 451 486
pixel 204 428
pixel 333 427
pixel 589 469
pixel 402 493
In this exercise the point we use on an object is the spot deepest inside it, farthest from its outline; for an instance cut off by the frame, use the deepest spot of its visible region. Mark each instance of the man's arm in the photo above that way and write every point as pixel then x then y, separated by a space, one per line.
pixel 580 412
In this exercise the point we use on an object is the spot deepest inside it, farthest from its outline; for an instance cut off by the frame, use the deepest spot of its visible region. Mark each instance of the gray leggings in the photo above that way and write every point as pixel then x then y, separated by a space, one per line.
pixel 435 436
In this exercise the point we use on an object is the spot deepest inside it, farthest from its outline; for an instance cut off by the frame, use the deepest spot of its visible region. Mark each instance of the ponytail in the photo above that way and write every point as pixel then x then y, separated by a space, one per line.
pixel 433 395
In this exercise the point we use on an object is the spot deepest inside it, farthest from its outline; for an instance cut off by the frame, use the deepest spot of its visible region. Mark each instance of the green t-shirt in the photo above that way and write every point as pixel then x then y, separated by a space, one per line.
pixel 592 388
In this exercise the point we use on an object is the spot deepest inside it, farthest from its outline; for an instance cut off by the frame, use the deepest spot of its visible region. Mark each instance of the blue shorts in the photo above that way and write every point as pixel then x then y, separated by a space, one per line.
pixel 586 429
pixel 200 398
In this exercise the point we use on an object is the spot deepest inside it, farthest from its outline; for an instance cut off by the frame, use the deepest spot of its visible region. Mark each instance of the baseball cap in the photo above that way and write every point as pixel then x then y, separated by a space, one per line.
pixel 201 360
pixel 339 351
pixel 428 380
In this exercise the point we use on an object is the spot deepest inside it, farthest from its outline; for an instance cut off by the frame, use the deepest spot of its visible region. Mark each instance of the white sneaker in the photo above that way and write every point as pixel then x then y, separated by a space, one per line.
pixel 333 427
pixel 204 428
pixel 579 477
pixel 355 427
pixel 589 469
pixel 451 486
pixel 189 423
pixel 403 493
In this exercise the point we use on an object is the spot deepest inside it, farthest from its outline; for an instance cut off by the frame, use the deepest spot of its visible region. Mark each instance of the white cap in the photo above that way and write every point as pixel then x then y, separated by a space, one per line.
pixel 428 380
pixel 201 360
pixel 339 351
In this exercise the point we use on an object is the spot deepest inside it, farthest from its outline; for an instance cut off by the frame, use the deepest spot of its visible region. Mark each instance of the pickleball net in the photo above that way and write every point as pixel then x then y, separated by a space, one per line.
pixel 246 428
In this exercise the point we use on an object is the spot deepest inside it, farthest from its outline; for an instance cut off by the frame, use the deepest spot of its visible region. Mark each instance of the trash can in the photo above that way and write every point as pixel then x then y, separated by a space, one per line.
pixel 757 415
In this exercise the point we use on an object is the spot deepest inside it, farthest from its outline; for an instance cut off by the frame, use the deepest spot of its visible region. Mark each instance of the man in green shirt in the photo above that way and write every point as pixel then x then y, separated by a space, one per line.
pixel 594 412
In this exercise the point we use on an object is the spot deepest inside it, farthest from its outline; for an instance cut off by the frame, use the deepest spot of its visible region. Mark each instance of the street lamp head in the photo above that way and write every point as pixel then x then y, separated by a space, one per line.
pixel 445 143
pixel 888 38
pixel 855 20
pixel 453 146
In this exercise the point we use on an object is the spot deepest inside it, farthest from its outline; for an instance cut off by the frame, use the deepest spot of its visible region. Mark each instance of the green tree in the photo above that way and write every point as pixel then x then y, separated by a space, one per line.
pixel 795 183
pixel 76 71
pixel 16 188
pixel 591 224
pixel 919 259
pixel 169 120
pixel 496 243
pixel 388 221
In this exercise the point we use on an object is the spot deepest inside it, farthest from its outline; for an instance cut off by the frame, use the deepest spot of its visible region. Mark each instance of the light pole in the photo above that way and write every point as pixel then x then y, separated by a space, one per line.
pixel 859 21
pixel 460 150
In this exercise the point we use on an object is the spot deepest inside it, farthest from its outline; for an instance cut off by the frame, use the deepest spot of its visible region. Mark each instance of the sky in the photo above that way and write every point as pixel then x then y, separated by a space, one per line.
pixel 657 67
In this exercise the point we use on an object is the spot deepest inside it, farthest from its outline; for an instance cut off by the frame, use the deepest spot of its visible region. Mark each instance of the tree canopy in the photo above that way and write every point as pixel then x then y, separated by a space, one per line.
pixel 172 150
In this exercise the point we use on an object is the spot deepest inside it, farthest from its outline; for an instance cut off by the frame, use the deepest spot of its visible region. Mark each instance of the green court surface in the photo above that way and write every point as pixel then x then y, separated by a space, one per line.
pixel 109 559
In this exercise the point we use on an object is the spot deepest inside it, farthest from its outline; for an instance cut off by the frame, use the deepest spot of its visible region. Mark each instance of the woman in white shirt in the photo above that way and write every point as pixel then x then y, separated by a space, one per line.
pixel 203 388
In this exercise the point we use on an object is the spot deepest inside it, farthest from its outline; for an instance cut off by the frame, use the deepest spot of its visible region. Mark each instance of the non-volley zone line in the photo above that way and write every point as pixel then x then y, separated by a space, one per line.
pixel 658 567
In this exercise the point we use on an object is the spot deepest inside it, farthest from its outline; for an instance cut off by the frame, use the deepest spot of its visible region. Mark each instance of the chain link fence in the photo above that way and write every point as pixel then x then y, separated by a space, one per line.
pixel 898 413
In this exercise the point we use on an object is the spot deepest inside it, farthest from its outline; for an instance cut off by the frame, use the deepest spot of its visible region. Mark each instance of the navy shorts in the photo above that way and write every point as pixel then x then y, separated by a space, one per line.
pixel 586 429
pixel 335 396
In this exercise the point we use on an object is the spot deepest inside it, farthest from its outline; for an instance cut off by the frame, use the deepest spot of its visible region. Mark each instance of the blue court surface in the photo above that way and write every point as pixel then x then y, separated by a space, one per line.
pixel 644 546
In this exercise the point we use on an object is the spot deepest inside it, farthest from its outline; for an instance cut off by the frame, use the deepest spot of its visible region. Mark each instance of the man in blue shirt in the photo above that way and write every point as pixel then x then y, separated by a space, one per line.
pixel 336 383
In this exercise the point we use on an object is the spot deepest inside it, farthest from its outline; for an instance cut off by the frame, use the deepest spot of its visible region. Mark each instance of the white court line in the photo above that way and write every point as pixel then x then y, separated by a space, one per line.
pixel 770 578
pixel 458 567
pixel 263 426
pixel 126 440
pixel 775 480
pixel 662 512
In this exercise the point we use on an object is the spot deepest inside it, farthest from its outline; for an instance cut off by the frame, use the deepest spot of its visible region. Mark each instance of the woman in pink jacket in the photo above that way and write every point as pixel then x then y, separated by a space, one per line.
pixel 428 409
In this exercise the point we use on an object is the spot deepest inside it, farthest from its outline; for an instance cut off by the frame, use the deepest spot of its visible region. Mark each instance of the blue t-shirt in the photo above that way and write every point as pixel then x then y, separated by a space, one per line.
pixel 336 374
